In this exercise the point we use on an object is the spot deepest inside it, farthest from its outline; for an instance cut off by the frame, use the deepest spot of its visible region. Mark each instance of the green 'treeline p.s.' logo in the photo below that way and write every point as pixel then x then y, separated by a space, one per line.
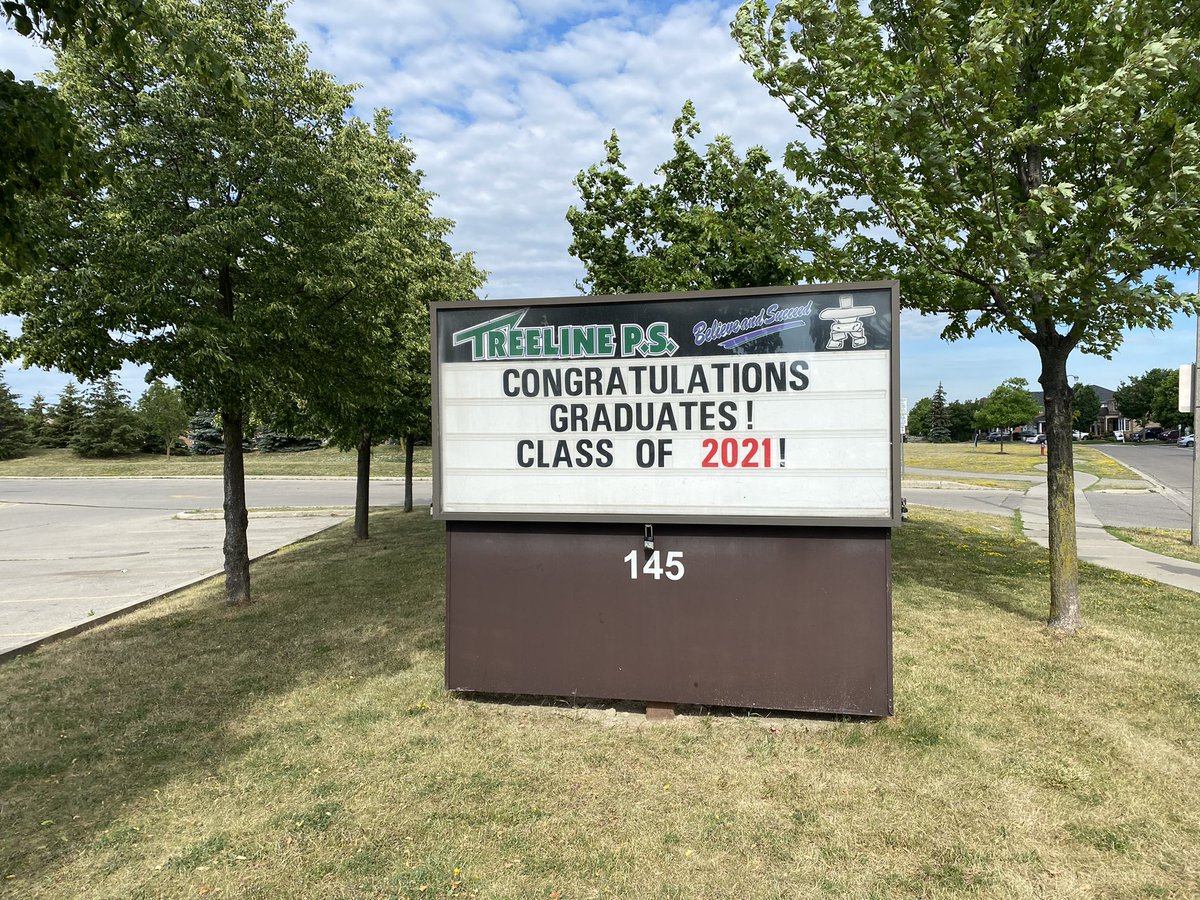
pixel 502 338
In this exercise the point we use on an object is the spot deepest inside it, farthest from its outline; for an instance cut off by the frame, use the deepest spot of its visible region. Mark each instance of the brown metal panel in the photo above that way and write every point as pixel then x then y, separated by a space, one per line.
pixel 770 617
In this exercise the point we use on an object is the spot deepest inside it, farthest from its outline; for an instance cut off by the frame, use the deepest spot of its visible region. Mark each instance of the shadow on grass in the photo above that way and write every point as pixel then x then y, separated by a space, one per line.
pixel 103 718
pixel 988 563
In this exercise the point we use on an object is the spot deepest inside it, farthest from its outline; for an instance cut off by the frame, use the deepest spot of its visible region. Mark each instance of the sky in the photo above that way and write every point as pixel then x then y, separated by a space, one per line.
pixel 505 101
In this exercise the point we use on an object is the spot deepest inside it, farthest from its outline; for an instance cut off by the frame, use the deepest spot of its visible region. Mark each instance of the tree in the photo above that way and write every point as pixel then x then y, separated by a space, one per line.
pixel 400 262
pixel 65 418
pixel 1085 407
pixel 716 220
pixel 217 248
pixel 14 433
pixel 111 427
pixel 1165 407
pixel 962 419
pixel 41 149
pixel 205 435
pixel 1021 167
pixel 918 417
pixel 164 414
pixel 939 419
pixel 1135 398
pixel 1009 405
pixel 36 418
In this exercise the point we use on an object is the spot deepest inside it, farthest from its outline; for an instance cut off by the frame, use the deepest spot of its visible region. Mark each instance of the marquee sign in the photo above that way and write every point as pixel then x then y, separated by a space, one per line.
pixel 762 406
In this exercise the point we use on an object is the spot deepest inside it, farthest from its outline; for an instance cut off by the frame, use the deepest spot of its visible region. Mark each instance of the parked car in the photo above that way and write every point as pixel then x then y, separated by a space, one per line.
pixel 1036 439
pixel 1079 435
pixel 997 436
pixel 1146 434
pixel 1188 440
pixel 1172 435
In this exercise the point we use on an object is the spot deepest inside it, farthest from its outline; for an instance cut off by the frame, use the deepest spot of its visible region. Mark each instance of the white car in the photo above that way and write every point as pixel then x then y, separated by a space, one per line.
pixel 1188 440
pixel 1079 435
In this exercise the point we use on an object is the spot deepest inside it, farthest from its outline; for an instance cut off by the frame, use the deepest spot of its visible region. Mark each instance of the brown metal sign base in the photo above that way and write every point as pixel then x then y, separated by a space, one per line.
pixel 788 618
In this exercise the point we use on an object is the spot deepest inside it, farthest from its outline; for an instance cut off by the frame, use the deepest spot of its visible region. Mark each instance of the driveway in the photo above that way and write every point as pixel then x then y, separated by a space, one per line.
pixel 73 550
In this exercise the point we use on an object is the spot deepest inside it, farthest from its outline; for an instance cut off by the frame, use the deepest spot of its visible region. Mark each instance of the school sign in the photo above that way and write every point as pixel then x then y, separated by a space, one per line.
pixel 665 454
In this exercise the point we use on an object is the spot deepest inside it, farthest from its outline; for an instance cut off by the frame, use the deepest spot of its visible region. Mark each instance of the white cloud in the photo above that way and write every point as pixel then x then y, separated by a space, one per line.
pixel 23 57
pixel 504 112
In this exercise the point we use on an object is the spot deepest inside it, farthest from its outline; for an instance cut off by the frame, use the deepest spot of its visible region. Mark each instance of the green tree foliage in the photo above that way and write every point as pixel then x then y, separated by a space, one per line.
pixel 111 427
pixel 918 417
pixel 716 220
pixel 64 418
pixel 397 260
pixel 1008 406
pixel 35 420
pixel 1164 408
pixel 217 252
pixel 206 436
pixel 1022 167
pixel 268 441
pixel 962 419
pixel 1135 397
pixel 1085 407
pixel 41 150
pixel 164 414
pixel 939 418
pixel 14 431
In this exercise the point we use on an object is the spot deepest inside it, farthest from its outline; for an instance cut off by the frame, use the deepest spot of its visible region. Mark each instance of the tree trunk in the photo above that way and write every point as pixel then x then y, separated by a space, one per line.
pixel 237 550
pixel 362 490
pixel 409 444
pixel 1060 483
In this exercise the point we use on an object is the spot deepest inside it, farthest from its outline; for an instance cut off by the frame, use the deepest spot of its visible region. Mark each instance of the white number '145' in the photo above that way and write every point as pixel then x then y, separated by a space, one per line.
pixel 654 565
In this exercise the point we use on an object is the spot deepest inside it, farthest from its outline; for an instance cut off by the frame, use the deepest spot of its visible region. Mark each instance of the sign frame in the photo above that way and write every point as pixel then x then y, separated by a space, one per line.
pixel 891 520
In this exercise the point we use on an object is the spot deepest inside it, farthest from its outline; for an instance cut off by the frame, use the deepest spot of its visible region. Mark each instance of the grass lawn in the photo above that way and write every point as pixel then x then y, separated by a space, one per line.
pixel 1017 459
pixel 304 747
pixel 387 462
pixel 1175 542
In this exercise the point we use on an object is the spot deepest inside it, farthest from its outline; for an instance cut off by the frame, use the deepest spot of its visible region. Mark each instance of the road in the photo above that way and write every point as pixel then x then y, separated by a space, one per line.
pixel 75 549
pixel 1167 464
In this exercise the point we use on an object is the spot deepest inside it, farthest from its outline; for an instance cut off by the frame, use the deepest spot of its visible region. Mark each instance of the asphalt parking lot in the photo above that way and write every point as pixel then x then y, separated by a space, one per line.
pixel 73 550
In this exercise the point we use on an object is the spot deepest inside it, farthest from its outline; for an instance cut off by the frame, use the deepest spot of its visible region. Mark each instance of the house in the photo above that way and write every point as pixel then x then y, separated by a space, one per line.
pixel 1109 420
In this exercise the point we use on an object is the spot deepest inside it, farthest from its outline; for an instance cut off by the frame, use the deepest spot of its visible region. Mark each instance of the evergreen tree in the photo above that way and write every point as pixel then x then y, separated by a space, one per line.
pixel 269 441
pixel 14 436
pixel 111 427
pixel 65 418
pixel 206 436
pixel 939 419
pixel 35 420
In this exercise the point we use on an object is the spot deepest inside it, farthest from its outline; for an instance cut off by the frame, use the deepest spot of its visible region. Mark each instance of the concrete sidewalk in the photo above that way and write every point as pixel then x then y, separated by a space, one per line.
pixel 1096 546
pixel 1100 548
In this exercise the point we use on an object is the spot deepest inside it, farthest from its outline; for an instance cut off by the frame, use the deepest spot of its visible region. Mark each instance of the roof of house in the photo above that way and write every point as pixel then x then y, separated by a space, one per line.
pixel 1103 394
